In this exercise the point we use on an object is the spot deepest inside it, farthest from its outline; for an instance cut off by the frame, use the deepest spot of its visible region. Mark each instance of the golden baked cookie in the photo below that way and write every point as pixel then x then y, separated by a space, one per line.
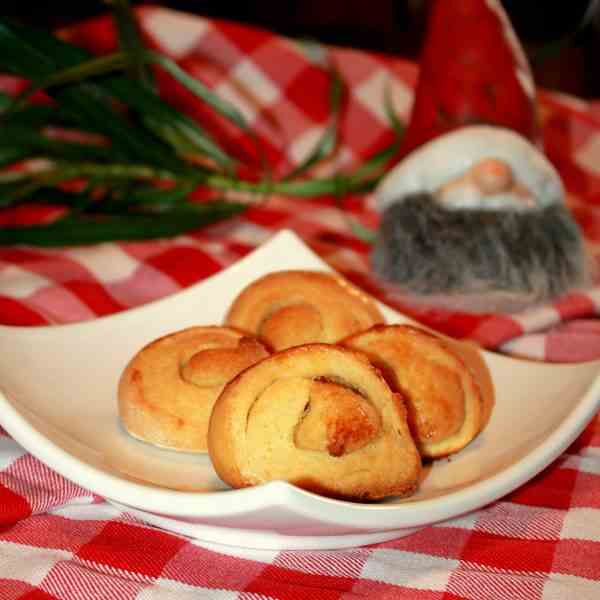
pixel 442 385
pixel 167 391
pixel 319 416
pixel 290 308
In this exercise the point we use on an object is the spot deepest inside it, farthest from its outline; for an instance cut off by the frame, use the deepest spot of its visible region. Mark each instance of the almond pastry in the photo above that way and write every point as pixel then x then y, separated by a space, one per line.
pixel 447 390
pixel 167 391
pixel 319 416
pixel 290 308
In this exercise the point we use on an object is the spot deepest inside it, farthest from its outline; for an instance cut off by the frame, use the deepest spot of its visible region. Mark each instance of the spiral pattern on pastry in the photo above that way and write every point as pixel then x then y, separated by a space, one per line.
pixel 167 391
pixel 291 308
pixel 318 416
pixel 444 399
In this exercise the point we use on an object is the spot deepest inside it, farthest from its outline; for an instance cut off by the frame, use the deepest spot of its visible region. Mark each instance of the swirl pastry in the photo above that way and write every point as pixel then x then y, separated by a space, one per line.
pixel 445 404
pixel 290 308
pixel 319 416
pixel 167 391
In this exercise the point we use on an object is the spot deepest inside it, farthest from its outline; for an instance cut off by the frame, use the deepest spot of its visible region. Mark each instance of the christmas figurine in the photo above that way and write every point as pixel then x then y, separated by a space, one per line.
pixel 473 215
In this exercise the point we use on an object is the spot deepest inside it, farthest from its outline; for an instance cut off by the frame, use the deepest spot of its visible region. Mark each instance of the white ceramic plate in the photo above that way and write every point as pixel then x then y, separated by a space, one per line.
pixel 59 402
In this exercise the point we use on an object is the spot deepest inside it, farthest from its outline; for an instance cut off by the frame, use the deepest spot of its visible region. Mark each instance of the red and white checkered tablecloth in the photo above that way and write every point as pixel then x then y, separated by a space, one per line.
pixel 59 541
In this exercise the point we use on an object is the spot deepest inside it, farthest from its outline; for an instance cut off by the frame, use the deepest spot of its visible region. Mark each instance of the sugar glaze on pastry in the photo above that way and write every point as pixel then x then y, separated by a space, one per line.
pixel 290 308
pixel 167 391
pixel 319 416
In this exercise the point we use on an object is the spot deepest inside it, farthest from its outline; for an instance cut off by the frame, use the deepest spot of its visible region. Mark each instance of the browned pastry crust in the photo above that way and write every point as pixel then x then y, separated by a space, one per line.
pixel 447 388
pixel 167 391
pixel 471 355
pixel 290 308
pixel 319 416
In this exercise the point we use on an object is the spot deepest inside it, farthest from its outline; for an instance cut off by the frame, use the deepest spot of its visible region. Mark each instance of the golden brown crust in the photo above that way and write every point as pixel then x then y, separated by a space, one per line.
pixel 471 355
pixel 319 416
pixel 290 308
pixel 167 390
pixel 336 419
pixel 441 381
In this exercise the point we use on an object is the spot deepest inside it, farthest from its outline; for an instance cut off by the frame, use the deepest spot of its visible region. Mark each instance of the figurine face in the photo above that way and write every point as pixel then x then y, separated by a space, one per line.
pixel 476 167
pixel 489 182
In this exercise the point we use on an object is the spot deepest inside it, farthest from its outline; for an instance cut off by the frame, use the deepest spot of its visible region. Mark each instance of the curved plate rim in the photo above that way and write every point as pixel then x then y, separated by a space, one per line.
pixel 229 503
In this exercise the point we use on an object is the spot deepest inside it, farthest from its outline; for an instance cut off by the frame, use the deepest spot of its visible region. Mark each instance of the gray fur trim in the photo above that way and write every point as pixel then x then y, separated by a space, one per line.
pixel 426 250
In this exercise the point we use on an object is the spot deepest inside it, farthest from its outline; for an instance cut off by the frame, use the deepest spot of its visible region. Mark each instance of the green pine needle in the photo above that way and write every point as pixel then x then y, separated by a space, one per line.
pixel 139 141
pixel 105 228
pixel 328 141
pixel 130 42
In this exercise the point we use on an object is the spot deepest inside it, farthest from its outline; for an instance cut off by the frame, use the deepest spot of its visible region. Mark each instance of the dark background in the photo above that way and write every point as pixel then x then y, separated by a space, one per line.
pixel 562 38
